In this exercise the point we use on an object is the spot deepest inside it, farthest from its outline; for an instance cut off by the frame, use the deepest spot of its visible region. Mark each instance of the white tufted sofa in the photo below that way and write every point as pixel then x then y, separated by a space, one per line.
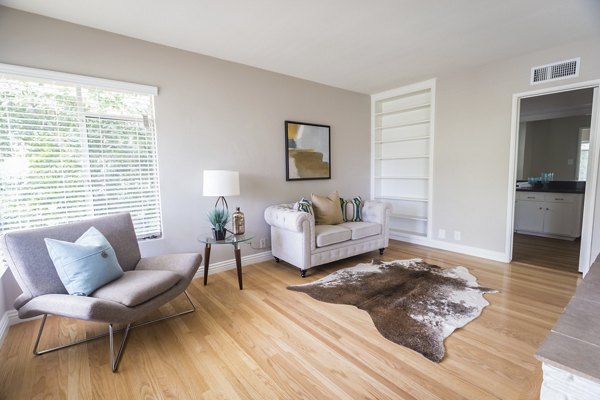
pixel 296 239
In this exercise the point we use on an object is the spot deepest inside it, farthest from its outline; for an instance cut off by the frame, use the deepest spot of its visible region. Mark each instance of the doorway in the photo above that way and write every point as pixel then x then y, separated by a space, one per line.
pixel 554 177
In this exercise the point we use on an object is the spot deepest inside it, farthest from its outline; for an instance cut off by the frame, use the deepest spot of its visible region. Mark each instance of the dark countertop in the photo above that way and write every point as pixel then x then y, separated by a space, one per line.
pixel 551 190
pixel 556 187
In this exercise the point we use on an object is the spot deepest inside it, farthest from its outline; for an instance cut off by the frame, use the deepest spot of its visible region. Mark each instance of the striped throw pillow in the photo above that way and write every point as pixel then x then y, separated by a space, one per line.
pixel 352 209
pixel 304 206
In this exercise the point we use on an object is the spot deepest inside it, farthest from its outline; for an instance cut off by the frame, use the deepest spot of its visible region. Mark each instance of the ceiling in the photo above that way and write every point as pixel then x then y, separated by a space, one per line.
pixel 359 45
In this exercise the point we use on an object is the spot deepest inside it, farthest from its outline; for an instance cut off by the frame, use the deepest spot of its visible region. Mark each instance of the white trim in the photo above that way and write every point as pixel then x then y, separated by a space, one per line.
pixel 13 318
pixel 415 87
pixel 456 248
pixel 63 77
pixel 512 167
pixel 591 187
pixel 432 86
pixel 373 137
pixel 4 325
pixel 226 265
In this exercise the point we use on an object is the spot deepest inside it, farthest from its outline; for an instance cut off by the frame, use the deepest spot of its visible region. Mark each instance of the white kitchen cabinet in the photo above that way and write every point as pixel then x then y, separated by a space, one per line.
pixel 549 214
pixel 530 216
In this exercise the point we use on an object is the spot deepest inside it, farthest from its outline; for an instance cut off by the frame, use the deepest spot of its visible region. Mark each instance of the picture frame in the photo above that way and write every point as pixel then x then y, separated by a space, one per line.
pixel 307 151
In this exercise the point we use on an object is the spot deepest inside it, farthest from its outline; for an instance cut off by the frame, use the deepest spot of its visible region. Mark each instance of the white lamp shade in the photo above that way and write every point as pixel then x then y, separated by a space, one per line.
pixel 221 183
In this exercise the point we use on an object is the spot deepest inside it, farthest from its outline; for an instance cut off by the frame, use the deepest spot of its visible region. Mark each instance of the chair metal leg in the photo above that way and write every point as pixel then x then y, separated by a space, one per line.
pixel 39 336
pixel 113 361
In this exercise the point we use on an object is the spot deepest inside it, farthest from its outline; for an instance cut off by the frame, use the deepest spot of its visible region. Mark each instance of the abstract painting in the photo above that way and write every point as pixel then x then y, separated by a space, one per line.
pixel 307 151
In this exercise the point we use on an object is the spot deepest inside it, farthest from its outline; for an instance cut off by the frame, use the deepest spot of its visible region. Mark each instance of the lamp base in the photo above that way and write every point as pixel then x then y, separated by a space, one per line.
pixel 224 204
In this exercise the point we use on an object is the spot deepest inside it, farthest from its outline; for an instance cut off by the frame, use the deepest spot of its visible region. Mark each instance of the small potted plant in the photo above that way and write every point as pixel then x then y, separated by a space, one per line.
pixel 218 218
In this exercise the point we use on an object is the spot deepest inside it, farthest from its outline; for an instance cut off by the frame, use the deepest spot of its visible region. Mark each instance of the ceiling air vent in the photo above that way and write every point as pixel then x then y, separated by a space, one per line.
pixel 555 71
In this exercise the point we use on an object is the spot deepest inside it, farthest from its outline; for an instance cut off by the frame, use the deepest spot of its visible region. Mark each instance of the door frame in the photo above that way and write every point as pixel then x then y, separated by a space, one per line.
pixel 591 180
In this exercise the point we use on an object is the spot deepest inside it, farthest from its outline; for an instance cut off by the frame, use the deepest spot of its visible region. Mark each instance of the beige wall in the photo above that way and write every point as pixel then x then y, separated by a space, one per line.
pixel 210 114
pixel 472 141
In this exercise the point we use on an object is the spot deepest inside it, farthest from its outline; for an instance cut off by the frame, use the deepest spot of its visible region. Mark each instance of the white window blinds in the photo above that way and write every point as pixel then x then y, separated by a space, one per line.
pixel 69 152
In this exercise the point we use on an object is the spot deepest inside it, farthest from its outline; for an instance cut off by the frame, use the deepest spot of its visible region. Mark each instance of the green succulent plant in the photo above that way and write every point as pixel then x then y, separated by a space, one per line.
pixel 218 218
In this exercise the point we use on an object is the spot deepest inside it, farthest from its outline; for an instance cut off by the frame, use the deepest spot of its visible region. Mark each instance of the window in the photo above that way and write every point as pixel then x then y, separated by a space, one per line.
pixel 584 150
pixel 76 147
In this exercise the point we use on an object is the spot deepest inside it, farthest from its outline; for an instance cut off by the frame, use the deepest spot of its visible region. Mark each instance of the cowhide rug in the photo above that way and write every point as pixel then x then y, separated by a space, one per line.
pixel 412 303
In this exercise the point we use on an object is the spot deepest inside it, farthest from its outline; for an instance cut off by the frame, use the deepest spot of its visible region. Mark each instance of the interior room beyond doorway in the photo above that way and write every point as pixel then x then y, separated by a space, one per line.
pixel 553 146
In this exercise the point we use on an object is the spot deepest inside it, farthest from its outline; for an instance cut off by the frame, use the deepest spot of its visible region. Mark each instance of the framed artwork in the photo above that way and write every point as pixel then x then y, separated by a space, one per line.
pixel 307 151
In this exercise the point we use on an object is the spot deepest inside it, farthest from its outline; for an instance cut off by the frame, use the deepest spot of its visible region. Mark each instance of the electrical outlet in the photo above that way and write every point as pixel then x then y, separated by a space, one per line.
pixel 262 243
pixel 456 235
pixel 442 233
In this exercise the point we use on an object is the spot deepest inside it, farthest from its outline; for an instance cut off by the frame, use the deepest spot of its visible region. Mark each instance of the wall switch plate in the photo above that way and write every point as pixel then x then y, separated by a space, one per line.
pixel 456 235
pixel 442 233
pixel 263 243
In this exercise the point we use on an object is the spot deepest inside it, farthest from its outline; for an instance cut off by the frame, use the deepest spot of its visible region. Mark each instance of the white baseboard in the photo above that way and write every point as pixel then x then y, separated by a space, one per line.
pixel 13 318
pixel 226 265
pixel 456 248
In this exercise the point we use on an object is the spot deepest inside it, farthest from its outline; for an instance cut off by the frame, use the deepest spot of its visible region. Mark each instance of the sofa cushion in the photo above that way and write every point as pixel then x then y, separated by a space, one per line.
pixel 331 234
pixel 137 287
pixel 362 229
pixel 327 209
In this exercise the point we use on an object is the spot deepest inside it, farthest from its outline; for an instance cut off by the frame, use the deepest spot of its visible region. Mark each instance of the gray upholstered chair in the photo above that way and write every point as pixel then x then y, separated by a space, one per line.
pixel 147 284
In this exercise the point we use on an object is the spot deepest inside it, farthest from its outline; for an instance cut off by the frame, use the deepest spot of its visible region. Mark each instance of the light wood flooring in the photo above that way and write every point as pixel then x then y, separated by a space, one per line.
pixel 546 252
pixel 266 342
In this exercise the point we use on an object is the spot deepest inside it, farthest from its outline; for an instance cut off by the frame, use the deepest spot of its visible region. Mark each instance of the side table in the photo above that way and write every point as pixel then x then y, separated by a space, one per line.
pixel 233 240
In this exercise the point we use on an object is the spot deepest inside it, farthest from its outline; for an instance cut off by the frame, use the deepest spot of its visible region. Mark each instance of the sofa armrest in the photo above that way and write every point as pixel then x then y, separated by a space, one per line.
pixel 283 216
pixel 377 211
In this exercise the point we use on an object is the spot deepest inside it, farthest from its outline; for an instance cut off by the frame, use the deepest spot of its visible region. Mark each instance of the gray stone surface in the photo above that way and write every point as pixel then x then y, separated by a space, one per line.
pixel 572 355
pixel 574 342
pixel 581 320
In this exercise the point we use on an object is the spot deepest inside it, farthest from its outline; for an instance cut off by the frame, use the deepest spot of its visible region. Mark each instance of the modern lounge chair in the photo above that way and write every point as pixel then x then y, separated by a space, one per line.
pixel 147 283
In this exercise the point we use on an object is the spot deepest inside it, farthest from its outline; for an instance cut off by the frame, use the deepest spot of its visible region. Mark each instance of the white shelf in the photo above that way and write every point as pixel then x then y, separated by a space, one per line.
pixel 413 123
pixel 400 158
pixel 411 217
pixel 401 198
pixel 402 130
pixel 402 140
pixel 410 233
pixel 402 177
pixel 394 98
pixel 404 109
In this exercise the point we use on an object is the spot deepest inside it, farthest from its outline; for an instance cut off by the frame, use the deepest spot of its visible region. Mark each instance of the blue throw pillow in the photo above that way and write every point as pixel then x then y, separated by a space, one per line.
pixel 85 265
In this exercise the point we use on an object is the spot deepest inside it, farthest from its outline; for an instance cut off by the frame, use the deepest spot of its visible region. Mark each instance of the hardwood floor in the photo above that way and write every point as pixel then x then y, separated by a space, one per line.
pixel 266 342
pixel 547 252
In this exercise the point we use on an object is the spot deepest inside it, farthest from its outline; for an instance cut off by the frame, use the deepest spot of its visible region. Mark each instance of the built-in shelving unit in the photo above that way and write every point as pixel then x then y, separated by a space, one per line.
pixel 401 156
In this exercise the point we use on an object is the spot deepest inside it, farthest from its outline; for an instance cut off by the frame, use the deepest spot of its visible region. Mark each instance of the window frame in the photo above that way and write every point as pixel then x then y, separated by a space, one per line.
pixel 79 82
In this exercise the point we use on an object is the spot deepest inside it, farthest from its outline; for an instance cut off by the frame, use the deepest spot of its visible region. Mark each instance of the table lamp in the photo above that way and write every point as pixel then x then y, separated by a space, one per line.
pixel 221 183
